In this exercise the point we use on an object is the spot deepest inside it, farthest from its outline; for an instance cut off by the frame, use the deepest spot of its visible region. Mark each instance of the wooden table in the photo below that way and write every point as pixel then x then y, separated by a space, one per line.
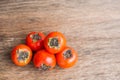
pixel 92 28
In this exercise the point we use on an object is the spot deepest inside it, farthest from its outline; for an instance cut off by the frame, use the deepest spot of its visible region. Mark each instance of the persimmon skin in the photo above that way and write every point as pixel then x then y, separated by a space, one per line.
pixel 35 40
pixel 60 42
pixel 68 60
pixel 42 57
pixel 15 56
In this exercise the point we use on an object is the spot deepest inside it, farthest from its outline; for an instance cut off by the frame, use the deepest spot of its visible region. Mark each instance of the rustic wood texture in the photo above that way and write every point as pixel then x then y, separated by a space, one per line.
pixel 92 28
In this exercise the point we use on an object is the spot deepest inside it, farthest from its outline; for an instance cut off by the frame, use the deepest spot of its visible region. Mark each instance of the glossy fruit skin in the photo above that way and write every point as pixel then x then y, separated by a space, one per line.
pixel 14 55
pixel 66 62
pixel 61 42
pixel 35 45
pixel 44 57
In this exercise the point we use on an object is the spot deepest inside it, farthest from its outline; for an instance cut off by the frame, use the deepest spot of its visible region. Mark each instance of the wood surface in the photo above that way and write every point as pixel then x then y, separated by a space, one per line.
pixel 92 28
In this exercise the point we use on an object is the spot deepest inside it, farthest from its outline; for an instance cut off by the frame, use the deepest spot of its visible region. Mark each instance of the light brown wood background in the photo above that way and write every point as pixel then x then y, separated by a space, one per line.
pixel 92 28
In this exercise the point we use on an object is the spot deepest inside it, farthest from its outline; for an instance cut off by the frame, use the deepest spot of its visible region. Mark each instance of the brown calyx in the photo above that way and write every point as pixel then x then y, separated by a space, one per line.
pixel 67 54
pixel 45 67
pixel 53 43
pixel 35 37
pixel 22 55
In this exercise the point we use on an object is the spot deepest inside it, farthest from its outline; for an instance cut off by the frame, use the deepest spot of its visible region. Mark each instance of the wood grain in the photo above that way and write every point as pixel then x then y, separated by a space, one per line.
pixel 92 28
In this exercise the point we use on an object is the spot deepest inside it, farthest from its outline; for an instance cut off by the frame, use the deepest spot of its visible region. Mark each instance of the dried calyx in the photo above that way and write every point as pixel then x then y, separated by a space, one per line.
pixel 35 37
pixel 67 54
pixel 45 67
pixel 53 43
pixel 22 55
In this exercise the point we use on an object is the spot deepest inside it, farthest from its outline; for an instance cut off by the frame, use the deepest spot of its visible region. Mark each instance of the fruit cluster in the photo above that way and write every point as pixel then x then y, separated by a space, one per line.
pixel 48 51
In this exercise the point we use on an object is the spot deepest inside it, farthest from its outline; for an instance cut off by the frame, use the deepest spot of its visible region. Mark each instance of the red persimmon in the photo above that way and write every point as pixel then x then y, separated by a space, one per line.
pixel 21 55
pixel 44 60
pixel 66 58
pixel 35 40
pixel 55 42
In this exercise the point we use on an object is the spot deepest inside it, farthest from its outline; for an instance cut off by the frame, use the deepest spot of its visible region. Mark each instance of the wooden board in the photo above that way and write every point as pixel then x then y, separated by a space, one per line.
pixel 92 28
